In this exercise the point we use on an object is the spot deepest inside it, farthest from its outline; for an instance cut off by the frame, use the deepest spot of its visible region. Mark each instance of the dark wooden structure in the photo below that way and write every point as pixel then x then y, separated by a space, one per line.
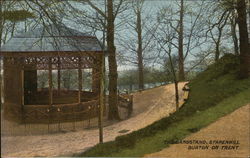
pixel 50 48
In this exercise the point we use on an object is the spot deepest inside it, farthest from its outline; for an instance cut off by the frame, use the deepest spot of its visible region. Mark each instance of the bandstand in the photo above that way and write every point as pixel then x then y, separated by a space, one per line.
pixel 51 48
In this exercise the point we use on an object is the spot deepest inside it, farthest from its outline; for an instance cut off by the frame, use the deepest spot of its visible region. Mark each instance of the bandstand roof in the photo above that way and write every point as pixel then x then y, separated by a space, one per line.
pixel 50 38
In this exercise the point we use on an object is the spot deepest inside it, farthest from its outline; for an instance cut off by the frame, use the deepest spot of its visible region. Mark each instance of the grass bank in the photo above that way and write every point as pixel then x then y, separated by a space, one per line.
pixel 214 93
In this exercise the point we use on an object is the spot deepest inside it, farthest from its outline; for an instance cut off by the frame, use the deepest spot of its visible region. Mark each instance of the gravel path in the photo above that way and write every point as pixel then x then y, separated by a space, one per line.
pixel 149 106
pixel 235 126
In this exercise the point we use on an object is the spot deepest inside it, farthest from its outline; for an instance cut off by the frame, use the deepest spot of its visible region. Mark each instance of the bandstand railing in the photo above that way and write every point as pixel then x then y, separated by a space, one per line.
pixel 60 113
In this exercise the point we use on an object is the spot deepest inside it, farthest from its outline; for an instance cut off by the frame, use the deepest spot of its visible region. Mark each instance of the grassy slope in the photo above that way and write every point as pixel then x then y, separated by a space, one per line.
pixel 214 93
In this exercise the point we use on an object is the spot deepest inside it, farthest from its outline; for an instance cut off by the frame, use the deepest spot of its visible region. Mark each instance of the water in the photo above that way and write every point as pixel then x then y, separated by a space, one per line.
pixel 135 87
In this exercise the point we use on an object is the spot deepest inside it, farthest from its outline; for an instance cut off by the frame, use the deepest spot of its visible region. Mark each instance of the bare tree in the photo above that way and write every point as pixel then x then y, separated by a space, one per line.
pixel 233 23
pixel 217 35
pixel 180 42
pixel 189 41
pixel 165 37
pixel 11 14
pixel 111 49
pixel 166 46
pixel 244 40
pixel 138 12
pixel 113 114
pixel 228 7
pixel 138 45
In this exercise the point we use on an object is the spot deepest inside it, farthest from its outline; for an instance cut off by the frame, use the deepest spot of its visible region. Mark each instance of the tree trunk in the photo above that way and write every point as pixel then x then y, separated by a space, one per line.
pixel 176 95
pixel 113 107
pixel 217 43
pixel 1 22
pixel 217 51
pixel 181 58
pixel 1 31
pixel 175 81
pixel 102 98
pixel 234 35
pixel 243 34
pixel 139 50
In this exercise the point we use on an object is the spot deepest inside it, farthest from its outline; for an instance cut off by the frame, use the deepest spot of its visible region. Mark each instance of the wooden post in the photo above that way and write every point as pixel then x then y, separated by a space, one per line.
pixel 79 80
pixel 176 95
pixel 59 77
pixel 102 84
pixel 130 105
pixel 93 80
pixel 22 96
pixel 50 83
pixel 102 97
pixel 50 91
pixel 22 85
